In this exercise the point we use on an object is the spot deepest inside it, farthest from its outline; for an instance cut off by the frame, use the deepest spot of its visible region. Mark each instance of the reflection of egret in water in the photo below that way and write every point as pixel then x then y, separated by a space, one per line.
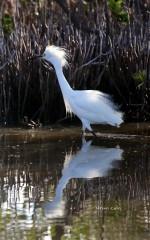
pixel 89 162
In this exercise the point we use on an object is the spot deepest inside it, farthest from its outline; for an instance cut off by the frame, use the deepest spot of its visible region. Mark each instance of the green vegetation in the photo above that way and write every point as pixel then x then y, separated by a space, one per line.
pixel 7 24
pixel 117 9
pixel 139 77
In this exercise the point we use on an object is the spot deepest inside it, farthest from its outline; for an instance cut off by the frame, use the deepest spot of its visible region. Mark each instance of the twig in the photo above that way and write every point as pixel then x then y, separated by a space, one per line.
pixel 7 62
pixel 92 61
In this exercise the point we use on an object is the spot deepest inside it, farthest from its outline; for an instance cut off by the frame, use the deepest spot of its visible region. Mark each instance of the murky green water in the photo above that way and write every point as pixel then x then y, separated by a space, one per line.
pixel 56 185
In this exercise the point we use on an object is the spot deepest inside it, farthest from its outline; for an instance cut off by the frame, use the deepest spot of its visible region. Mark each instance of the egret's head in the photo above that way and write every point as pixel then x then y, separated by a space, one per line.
pixel 55 55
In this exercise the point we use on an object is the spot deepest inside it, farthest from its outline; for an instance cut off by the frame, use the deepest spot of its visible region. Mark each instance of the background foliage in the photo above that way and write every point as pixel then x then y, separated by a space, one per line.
pixel 109 50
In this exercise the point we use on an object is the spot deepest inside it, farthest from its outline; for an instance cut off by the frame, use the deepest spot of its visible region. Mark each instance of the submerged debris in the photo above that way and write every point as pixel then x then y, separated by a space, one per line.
pixel 29 123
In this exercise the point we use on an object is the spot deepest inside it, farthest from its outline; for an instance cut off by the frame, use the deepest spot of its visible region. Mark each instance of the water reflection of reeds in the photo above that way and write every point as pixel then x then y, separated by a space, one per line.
pixel 27 166
pixel 126 192
pixel 29 175
pixel 28 172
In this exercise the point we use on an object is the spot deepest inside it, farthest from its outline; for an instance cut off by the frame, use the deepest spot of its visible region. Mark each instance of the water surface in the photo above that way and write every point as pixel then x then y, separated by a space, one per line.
pixel 56 185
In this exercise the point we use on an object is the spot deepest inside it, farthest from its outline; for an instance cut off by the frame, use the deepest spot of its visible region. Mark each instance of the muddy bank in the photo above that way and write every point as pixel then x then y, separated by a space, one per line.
pixel 131 131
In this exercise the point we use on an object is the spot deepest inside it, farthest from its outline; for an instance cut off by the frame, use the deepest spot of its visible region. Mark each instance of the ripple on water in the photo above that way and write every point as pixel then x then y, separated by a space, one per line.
pixel 57 187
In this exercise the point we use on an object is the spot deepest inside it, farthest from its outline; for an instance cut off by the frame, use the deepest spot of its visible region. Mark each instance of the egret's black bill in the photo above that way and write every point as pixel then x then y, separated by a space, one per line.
pixel 47 64
pixel 35 57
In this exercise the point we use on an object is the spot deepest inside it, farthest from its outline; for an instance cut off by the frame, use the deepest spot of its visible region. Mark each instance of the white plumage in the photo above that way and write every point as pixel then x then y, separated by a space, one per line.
pixel 90 106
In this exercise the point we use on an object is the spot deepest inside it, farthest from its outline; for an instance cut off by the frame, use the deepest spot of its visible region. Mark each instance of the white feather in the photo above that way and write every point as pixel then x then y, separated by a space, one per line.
pixel 56 54
pixel 91 107
pixel 96 107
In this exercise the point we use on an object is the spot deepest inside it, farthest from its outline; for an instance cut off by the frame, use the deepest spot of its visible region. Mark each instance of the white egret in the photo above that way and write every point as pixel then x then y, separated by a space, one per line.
pixel 90 106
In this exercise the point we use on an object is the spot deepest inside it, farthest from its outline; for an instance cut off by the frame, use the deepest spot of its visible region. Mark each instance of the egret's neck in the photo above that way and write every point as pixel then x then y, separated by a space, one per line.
pixel 64 85
pixel 61 186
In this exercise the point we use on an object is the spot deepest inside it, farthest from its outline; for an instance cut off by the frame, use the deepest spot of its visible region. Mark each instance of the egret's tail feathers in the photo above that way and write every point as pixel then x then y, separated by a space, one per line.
pixel 117 119
pixel 110 101
pixel 121 118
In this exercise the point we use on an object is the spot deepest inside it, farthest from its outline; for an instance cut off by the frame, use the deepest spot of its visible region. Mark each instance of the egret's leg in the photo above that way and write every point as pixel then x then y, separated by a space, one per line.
pixel 83 130
pixel 94 134
pixel 86 125
pixel 91 130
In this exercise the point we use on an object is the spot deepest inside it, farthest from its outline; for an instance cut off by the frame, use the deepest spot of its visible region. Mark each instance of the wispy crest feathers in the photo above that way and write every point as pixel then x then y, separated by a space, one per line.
pixel 56 54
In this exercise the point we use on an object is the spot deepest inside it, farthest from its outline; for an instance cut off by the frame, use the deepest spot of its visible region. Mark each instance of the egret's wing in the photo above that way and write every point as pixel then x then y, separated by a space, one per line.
pixel 90 98
pixel 92 101
pixel 96 107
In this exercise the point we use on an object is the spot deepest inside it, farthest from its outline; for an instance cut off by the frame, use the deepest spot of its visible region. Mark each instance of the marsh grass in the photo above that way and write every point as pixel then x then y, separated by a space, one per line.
pixel 105 54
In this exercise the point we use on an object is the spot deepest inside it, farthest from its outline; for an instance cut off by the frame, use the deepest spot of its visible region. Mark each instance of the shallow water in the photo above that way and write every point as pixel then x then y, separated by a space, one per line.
pixel 56 185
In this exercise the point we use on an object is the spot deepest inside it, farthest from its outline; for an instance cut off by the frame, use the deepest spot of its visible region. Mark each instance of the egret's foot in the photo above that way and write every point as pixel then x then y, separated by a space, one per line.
pixel 94 134
pixel 86 131
pixel 83 133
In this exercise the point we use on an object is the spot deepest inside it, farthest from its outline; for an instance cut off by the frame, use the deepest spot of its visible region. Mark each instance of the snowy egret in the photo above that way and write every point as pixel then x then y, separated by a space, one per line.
pixel 89 162
pixel 90 106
